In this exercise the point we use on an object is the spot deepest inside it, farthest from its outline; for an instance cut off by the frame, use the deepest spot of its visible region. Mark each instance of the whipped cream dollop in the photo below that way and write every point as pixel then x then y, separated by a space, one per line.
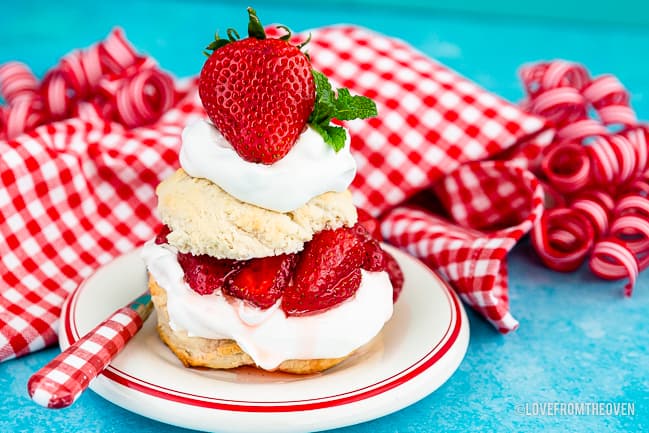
pixel 309 169
pixel 270 336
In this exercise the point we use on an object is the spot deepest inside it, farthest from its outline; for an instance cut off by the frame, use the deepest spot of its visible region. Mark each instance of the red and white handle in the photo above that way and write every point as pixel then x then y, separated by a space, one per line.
pixel 62 380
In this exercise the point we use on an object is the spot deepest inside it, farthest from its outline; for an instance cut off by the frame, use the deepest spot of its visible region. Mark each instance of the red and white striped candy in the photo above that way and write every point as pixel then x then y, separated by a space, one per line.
pixel 562 239
pixel 595 212
pixel 58 96
pixel 612 260
pixel 140 64
pixel 617 114
pixel 588 154
pixel 560 73
pixel 632 226
pixel 614 159
pixel 109 79
pixel 611 100
pixel 626 156
pixel 108 87
pixel 561 105
pixel 144 97
pixel 638 186
pixel 23 116
pixel 601 197
pixel 633 204
pixel 91 64
pixel 605 162
pixel 566 166
pixel 82 70
pixel 634 231
pixel 606 90
pixel 89 111
pixel 116 53
pixel 17 81
pixel 580 130
pixel 638 137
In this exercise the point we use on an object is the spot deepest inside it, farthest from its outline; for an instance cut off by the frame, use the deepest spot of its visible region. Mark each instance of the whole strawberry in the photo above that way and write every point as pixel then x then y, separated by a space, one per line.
pixel 258 92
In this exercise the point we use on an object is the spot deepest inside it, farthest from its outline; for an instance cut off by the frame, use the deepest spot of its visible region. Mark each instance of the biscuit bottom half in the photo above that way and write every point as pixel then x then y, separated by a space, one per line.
pixel 219 354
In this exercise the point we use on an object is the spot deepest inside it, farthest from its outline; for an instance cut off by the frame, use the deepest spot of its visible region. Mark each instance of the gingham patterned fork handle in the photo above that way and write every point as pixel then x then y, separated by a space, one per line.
pixel 62 380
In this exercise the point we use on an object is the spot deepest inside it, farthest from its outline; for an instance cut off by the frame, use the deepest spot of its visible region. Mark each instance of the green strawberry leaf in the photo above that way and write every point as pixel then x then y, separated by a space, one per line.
pixel 339 105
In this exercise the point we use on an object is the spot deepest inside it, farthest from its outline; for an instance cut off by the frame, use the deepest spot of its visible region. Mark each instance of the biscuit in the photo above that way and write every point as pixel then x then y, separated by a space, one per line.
pixel 218 354
pixel 204 219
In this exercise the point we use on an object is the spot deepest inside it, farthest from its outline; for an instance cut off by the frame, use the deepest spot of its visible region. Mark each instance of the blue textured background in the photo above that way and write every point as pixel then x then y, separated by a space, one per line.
pixel 579 339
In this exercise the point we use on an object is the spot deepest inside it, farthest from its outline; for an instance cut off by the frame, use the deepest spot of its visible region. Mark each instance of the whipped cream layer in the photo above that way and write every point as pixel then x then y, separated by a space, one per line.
pixel 309 169
pixel 270 336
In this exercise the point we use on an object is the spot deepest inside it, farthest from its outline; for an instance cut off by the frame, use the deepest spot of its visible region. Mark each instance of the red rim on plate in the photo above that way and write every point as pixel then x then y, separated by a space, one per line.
pixel 438 351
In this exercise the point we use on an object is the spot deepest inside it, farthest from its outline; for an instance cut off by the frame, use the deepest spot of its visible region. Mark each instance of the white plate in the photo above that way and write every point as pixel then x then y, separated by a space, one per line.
pixel 418 350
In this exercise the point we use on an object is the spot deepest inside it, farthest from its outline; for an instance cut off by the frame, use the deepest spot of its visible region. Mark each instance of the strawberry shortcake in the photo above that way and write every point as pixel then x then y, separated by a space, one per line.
pixel 262 259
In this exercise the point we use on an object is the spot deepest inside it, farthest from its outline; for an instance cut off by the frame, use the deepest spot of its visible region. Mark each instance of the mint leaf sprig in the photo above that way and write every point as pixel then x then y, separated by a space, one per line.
pixel 339 105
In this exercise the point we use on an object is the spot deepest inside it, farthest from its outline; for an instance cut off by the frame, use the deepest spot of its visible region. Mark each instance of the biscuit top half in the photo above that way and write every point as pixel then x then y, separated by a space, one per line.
pixel 204 219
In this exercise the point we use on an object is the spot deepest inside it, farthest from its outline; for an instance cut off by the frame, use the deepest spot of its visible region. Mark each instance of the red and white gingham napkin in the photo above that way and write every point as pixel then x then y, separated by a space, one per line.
pixel 492 205
pixel 79 191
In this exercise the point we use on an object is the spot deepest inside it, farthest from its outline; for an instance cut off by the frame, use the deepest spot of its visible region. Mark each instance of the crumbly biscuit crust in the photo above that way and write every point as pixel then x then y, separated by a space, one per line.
pixel 205 219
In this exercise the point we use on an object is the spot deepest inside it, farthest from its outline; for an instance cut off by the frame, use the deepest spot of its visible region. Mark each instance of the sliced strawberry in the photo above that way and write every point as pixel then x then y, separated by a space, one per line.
pixel 327 272
pixel 261 281
pixel 372 251
pixel 161 237
pixel 361 232
pixel 370 223
pixel 374 257
pixel 205 274
pixel 396 275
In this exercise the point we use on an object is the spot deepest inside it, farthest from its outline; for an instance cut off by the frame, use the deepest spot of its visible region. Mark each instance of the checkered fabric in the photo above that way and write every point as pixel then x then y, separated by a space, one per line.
pixel 74 194
pixel 492 205
pixel 64 378
pixel 77 192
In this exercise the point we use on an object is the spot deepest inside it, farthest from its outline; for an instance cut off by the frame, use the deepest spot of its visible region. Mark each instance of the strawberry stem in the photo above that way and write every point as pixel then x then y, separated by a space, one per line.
pixel 233 35
pixel 216 44
pixel 288 34
pixel 255 29
pixel 308 39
